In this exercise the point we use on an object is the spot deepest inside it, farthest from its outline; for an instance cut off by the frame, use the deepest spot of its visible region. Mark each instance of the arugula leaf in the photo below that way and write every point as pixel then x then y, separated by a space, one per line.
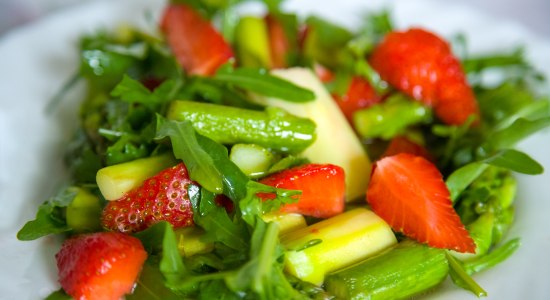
pixel 263 272
pixel 216 222
pixel 49 218
pixel 518 130
pixel 151 284
pixel 461 178
pixel 186 147
pixel 261 82
pixel 133 91
pixel 59 295
pixel 516 161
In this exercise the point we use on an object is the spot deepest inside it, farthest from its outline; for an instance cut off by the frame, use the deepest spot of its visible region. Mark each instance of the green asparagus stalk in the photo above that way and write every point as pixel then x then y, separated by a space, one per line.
pixel 252 159
pixel 84 211
pixel 272 128
pixel 390 118
pixel 252 42
pixel 335 243
pixel 405 270
pixel 116 180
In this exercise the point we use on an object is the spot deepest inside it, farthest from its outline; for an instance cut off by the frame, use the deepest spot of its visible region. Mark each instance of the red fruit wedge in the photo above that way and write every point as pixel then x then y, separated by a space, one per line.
pixel 401 144
pixel 102 265
pixel 278 42
pixel 323 189
pixel 162 197
pixel 421 64
pixel 408 192
pixel 359 95
pixel 198 47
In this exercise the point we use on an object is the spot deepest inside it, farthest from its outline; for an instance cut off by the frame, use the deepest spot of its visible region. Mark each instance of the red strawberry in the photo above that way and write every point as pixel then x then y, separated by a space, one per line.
pixel 324 74
pixel 359 95
pixel 408 192
pixel 323 189
pixel 401 144
pixel 162 197
pixel 421 64
pixel 198 47
pixel 278 42
pixel 102 265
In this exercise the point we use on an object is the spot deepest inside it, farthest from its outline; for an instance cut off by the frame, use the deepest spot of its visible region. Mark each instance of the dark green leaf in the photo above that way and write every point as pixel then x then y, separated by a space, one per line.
pixel 217 224
pixel 461 178
pixel 510 136
pixel 261 82
pixel 59 295
pixel 516 161
pixel 186 147
pixel 49 218
pixel 151 285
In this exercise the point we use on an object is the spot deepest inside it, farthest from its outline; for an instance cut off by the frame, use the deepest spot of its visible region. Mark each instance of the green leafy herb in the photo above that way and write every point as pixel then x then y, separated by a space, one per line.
pixel 49 218
pixel 261 82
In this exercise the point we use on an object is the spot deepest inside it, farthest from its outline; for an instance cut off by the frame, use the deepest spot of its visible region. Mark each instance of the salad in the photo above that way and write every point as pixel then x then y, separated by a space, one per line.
pixel 268 140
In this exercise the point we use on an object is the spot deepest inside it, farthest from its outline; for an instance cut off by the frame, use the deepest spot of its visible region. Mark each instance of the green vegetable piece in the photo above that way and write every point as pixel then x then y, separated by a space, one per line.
pixel 401 272
pixel 190 241
pixel 261 82
pixel 104 68
pixel 84 212
pixel 390 118
pixel 326 43
pixel 461 178
pixel 252 43
pixel 493 258
pixel 273 128
pixel 287 222
pixel 116 180
pixel 252 159
pixel 461 278
pixel 481 231
pixel 335 243
pixel 49 218
pixel 515 161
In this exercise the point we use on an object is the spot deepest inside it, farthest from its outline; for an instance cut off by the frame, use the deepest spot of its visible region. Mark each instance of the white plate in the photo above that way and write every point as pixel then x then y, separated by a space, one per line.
pixel 36 59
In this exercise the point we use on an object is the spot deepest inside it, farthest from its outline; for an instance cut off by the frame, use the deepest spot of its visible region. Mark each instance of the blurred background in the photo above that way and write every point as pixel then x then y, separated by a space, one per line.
pixel 533 14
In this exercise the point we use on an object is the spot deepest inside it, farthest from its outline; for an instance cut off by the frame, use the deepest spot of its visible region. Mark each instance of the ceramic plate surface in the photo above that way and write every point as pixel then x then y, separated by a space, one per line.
pixel 36 59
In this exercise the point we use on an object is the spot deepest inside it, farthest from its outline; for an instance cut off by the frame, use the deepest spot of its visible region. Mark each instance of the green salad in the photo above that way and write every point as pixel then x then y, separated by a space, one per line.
pixel 277 156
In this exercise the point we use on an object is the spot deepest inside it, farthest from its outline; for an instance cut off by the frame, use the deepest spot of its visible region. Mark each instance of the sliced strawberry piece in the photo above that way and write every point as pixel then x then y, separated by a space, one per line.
pixel 324 74
pixel 278 42
pixel 323 189
pixel 198 47
pixel 401 144
pixel 359 95
pixel 102 265
pixel 162 197
pixel 421 64
pixel 408 192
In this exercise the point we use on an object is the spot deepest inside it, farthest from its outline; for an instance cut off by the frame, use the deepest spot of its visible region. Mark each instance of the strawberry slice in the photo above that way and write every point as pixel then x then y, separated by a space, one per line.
pixel 408 192
pixel 359 95
pixel 323 189
pixel 324 74
pixel 278 42
pixel 421 64
pixel 162 197
pixel 198 47
pixel 102 265
pixel 401 144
